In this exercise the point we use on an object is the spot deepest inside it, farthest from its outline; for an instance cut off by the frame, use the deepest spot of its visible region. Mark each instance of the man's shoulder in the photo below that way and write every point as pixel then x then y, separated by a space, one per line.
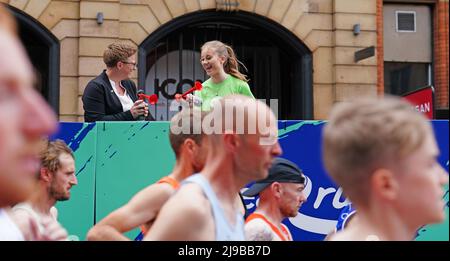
pixel 257 223
pixel 190 198
pixel 161 187
pixel 339 236
pixel 352 234
pixel 25 210
pixel 194 191
pixel 23 207
pixel 258 230
pixel 158 190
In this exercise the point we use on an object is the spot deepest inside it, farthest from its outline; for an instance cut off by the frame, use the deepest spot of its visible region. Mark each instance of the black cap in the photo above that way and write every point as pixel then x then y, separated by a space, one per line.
pixel 283 171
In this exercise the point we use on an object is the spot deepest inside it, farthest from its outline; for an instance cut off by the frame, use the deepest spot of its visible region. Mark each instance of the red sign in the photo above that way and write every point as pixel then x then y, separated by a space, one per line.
pixel 422 100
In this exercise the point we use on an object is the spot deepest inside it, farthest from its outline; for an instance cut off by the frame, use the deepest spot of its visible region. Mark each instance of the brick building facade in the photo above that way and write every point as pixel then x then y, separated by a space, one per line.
pixel 325 27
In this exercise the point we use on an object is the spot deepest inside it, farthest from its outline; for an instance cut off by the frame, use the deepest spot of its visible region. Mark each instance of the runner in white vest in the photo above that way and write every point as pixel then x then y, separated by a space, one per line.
pixel 206 207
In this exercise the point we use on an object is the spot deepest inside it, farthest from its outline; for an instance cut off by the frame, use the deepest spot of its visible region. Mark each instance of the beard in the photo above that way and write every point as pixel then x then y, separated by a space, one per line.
pixel 288 212
pixel 59 194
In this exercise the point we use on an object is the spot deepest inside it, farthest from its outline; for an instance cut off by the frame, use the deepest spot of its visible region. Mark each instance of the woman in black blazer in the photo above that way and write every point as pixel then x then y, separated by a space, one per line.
pixel 111 96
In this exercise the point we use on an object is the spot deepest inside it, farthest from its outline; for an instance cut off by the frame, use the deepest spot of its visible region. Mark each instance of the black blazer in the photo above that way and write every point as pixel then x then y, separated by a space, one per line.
pixel 100 102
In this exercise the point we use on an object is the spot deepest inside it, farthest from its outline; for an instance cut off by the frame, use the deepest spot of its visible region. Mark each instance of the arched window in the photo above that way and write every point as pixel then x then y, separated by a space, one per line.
pixel 278 64
pixel 43 50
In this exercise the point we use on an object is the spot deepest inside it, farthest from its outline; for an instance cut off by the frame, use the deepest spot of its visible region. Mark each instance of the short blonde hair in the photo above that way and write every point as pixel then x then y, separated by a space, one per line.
pixel 117 52
pixel 367 134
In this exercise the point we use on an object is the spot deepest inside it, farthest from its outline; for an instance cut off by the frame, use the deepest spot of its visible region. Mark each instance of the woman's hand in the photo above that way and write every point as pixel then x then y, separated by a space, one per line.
pixel 139 108
pixel 190 98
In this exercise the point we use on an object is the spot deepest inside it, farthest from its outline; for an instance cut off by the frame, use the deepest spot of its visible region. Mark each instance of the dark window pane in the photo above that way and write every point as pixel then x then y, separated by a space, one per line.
pixel 405 22
pixel 401 78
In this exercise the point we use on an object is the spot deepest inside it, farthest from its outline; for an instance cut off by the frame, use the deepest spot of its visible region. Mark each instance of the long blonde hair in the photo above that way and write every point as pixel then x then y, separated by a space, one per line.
pixel 231 65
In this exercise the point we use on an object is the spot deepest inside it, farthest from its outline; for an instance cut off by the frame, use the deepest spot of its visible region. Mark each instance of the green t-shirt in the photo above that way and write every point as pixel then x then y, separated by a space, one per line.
pixel 231 85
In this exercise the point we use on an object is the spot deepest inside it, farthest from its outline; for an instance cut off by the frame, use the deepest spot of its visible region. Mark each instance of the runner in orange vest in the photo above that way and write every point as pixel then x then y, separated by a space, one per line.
pixel 190 152
pixel 280 197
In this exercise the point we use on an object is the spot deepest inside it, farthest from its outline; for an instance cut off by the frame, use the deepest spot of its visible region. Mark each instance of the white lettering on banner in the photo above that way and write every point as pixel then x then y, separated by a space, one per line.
pixel 424 107
pixel 308 188
pixel 338 204
pixel 321 195
pixel 313 224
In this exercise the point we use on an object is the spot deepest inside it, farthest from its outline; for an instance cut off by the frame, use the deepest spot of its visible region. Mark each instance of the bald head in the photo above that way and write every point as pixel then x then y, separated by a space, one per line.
pixel 241 115
pixel 243 132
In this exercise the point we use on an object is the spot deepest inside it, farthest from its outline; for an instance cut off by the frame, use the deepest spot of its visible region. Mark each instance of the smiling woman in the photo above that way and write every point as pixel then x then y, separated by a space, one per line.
pixel 221 65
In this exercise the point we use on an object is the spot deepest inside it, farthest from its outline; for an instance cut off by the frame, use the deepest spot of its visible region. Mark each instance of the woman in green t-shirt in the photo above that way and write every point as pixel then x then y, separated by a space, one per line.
pixel 222 66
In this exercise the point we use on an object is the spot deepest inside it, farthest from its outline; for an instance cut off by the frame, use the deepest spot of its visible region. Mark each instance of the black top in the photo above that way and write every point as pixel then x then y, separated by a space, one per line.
pixel 100 102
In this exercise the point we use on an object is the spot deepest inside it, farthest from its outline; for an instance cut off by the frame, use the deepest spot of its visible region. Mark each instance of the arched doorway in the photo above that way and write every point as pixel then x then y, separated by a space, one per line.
pixel 279 64
pixel 43 50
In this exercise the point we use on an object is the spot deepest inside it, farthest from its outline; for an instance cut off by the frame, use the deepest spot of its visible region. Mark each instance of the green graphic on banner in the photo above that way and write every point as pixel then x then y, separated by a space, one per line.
pixel 129 158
